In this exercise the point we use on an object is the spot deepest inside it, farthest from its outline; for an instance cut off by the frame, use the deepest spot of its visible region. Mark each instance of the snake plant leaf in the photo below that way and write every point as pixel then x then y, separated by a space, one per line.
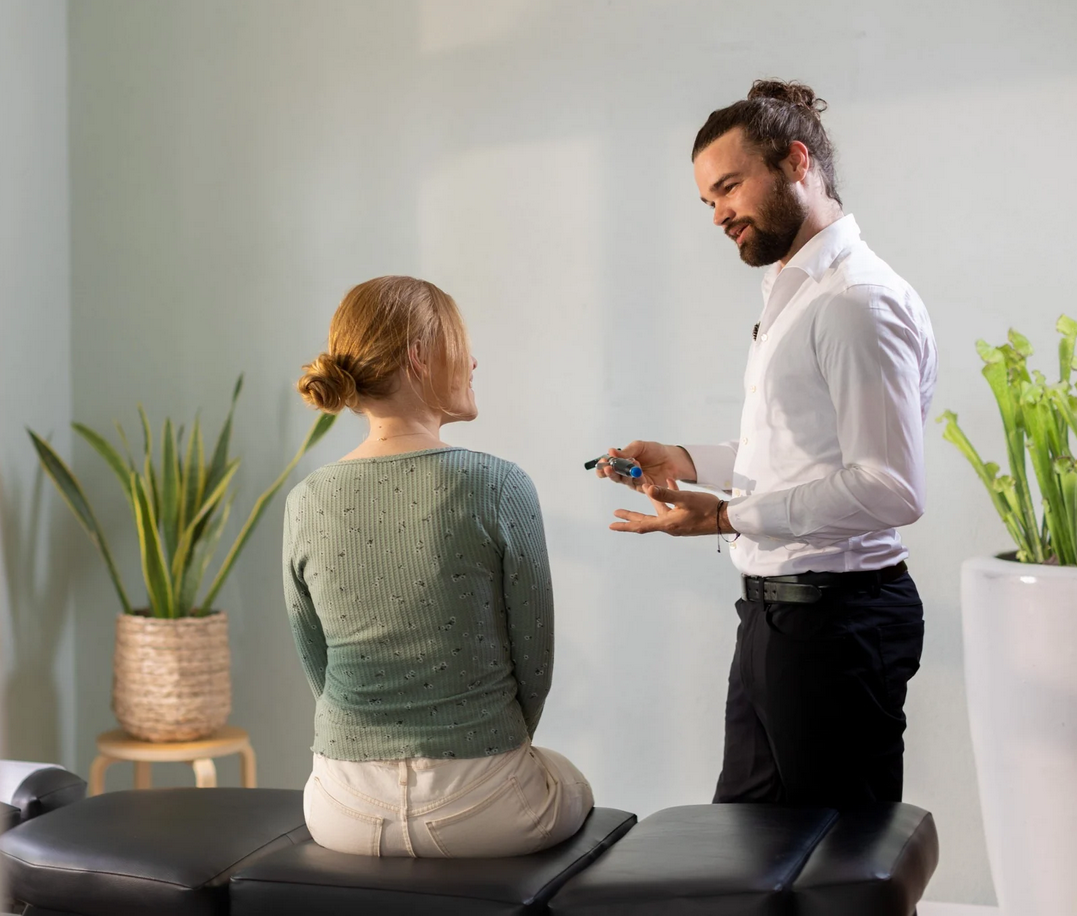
pixel 147 469
pixel 220 451
pixel 319 428
pixel 104 448
pixel 194 477
pixel 147 434
pixel 170 490
pixel 128 454
pixel 153 491
pixel 60 474
pixel 179 512
pixel 154 567
pixel 193 533
pixel 200 558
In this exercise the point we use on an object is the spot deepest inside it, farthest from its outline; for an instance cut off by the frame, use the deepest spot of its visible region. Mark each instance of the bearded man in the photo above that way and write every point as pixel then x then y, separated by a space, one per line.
pixel 829 462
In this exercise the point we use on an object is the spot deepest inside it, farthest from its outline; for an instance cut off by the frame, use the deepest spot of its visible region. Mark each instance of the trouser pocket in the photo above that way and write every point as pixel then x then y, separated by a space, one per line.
pixel 338 826
pixel 900 645
pixel 502 824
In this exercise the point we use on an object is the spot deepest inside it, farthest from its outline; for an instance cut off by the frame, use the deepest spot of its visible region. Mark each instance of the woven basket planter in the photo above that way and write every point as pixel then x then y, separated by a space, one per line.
pixel 171 677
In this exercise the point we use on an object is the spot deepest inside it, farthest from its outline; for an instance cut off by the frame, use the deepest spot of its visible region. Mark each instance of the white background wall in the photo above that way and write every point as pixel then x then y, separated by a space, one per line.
pixel 236 167
pixel 36 530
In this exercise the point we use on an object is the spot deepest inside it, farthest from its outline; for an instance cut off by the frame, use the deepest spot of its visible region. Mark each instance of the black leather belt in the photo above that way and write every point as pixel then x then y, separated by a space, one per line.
pixel 807 588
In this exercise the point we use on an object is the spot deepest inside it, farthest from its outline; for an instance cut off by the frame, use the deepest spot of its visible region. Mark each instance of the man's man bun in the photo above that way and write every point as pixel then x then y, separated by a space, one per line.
pixel 775 114
pixel 793 93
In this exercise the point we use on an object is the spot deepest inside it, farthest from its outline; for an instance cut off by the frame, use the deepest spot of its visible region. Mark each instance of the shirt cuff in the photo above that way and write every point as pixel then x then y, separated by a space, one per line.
pixel 764 515
pixel 714 465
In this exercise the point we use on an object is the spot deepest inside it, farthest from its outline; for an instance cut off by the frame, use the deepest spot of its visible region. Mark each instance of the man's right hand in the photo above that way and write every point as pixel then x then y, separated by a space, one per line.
pixel 658 462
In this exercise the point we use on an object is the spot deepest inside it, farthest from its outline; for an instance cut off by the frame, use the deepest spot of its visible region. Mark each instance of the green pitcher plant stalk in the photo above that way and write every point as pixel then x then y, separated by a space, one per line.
pixel 1037 418
pixel 180 508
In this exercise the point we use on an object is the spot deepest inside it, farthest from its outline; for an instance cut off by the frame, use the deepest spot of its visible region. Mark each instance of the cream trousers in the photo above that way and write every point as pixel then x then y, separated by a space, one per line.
pixel 506 805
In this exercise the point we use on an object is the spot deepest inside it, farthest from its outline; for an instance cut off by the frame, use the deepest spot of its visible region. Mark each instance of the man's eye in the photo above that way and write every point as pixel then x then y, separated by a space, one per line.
pixel 730 187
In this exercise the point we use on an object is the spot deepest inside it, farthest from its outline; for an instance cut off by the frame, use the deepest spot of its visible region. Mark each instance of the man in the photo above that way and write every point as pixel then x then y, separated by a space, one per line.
pixel 829 462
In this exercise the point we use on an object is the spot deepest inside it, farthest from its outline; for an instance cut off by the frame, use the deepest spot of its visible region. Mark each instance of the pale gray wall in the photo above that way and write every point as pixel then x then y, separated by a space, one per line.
pixel 237 166
pixel 36 532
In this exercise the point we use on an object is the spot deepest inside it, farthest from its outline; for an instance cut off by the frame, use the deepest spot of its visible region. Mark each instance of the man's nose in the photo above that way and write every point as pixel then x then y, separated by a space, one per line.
pixel 722 215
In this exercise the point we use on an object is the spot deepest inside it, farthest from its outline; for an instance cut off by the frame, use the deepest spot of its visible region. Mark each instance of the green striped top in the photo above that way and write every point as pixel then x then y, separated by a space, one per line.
pixel 419 595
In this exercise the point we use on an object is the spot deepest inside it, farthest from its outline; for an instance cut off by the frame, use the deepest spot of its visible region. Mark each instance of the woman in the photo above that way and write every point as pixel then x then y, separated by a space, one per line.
pixel 419 595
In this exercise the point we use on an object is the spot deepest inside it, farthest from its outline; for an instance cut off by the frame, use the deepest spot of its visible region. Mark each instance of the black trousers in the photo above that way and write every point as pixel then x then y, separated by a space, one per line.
pixel 814 714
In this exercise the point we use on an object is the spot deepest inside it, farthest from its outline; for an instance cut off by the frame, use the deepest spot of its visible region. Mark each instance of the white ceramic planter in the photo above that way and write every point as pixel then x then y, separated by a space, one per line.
pixel 1020 629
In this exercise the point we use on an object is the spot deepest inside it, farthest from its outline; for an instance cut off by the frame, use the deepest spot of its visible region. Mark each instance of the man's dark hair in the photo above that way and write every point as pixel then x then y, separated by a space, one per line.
pixel 773 116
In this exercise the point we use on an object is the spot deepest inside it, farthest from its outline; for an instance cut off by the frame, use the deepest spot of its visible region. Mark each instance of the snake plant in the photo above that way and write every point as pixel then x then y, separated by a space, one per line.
pixel 1037 418
pixel 180 508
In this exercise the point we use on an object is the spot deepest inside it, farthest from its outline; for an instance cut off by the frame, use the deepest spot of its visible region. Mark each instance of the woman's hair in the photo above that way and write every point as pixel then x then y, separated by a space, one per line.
pixel 773 116
pixel 370 339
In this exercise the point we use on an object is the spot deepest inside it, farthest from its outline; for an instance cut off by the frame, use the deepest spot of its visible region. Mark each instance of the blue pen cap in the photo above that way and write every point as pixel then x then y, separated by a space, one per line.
pixel 625 467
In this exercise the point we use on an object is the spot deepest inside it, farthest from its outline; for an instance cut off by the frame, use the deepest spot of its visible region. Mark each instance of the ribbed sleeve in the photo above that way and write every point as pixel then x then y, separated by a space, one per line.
pixel 306 629
pixel 419 597
pixel 528 593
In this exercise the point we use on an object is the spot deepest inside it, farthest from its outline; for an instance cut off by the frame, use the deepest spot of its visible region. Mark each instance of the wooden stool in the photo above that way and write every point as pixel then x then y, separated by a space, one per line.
pixel 117 745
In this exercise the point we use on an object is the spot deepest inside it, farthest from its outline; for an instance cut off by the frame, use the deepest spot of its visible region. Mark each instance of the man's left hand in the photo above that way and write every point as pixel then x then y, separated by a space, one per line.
pixel 681 513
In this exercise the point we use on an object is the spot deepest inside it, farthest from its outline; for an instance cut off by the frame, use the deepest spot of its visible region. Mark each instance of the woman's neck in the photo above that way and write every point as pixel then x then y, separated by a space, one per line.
pixel 394 435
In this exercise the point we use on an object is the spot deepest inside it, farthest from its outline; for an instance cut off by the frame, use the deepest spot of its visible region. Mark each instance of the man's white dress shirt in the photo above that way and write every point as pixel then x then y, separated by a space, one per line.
pixel 830 459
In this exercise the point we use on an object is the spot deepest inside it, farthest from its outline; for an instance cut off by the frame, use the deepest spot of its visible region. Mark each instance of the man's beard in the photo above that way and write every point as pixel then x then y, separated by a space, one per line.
pixel 780 218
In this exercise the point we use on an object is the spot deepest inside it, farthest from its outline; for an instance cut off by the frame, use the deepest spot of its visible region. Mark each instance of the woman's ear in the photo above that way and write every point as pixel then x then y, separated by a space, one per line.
pixel 418 361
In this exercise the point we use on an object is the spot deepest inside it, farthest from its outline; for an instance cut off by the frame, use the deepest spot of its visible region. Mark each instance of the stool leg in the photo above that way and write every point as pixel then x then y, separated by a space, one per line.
pixel 143 780
pixel 248 767
pixel 205 773
pixel 97 773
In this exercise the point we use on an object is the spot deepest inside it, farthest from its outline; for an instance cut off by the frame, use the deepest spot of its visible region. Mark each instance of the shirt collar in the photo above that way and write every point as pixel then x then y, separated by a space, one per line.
pixel 818 253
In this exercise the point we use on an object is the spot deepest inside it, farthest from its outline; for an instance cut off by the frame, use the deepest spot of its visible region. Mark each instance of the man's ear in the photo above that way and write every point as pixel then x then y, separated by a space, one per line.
pixel 797 162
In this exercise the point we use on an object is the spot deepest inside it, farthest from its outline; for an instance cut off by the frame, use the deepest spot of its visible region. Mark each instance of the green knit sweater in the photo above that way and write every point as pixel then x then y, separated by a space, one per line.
pixel 418 590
